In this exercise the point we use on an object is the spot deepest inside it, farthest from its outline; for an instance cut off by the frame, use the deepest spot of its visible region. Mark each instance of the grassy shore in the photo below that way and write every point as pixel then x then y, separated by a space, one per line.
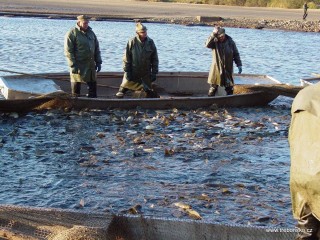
pixel 292 4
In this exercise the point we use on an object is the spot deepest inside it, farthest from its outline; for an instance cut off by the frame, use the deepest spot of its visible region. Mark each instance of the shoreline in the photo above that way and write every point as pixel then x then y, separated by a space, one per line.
pixel 166 12
pixel 288 25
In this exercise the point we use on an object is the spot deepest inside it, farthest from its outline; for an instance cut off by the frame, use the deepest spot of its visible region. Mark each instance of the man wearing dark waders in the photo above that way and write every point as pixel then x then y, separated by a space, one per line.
pixel 305 11
pixel 224 53
pixel 81 48
pixel 304 140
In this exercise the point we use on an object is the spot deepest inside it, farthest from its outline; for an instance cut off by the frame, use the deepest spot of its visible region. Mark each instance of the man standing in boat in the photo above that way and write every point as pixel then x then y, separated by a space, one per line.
pixel 140 64
pixel 81 48
pixel 224 52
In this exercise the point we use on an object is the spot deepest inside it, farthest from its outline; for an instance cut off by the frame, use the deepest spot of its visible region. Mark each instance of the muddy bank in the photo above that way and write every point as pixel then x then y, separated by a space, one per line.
pixel 290 25
pixel 179 13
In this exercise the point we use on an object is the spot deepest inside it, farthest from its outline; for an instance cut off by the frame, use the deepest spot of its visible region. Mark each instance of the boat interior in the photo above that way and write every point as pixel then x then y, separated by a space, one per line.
pixel 168 85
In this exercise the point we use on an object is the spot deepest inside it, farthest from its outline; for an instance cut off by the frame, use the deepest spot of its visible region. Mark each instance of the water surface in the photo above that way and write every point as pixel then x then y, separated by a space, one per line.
pixel 36 45
pixel 230 165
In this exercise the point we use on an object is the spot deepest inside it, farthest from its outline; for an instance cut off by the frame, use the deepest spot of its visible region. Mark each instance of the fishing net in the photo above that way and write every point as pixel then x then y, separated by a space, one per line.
pixel 28 223
pixel 276 89
pixel 53 224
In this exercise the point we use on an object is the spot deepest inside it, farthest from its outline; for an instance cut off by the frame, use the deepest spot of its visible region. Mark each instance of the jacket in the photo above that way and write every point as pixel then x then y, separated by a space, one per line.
pixel 304 140
pixel 223 55
pixel 83 53
pixel 140 64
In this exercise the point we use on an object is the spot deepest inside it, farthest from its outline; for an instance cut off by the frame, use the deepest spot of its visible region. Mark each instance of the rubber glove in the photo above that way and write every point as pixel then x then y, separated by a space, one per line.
pixel 240 69
pixel 98 67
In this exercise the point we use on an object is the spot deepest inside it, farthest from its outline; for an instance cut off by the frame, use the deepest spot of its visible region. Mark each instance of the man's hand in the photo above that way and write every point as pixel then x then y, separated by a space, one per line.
pixel 214 34
pixel 215 30
pixel 98 67
pixel 74 70
pixel 240 69
pixel 153 77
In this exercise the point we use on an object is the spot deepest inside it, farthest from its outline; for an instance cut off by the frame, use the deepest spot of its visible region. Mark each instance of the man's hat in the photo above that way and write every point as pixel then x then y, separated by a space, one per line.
pixel 140 27
pixel 83 18
pixel 221 32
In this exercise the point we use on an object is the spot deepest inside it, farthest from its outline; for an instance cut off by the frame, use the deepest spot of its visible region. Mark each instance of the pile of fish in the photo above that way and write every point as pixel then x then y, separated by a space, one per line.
pixel 221 165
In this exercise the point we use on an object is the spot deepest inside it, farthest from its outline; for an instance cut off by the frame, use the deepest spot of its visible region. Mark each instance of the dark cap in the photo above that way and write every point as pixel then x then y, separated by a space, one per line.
pixel 221 32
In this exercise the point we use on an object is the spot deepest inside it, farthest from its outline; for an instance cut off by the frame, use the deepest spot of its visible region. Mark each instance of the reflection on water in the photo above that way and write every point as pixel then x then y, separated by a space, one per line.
pixel 36 45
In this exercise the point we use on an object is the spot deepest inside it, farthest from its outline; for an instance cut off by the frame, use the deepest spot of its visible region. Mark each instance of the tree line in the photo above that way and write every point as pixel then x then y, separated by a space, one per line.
pixel 252 3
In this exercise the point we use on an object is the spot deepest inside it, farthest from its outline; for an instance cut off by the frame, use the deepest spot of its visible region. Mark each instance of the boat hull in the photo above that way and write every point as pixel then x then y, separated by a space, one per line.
pixel 177 90
pixel 241 100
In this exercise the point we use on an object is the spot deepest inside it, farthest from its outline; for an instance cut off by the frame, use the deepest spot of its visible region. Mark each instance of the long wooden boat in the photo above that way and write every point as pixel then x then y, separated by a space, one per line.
pixel 182 90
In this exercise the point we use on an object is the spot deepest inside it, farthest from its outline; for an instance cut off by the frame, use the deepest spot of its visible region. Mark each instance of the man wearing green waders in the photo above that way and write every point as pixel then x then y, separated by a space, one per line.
pixel 81 48
pixel 140 64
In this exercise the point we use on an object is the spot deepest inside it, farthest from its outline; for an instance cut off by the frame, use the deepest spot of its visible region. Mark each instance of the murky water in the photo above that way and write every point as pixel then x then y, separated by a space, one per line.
pixel 230 165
